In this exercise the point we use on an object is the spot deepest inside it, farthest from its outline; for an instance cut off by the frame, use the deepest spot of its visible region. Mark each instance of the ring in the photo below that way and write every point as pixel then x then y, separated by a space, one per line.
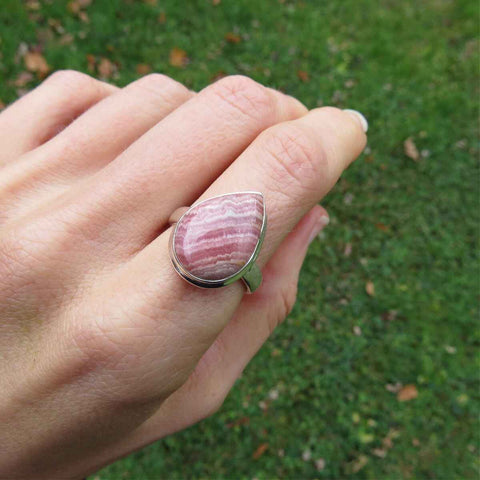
pixel 216 241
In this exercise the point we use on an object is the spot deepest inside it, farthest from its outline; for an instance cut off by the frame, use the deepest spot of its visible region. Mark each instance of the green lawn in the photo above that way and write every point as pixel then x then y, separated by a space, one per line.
pixel 319 396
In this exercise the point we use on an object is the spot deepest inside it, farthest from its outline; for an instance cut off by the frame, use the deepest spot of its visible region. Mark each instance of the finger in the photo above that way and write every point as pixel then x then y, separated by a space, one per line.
pixel 183 154
pixel 222 364
pixel 300 162
pixel 45 111
pixel 91 141
pixel 108 128
pixel 254 321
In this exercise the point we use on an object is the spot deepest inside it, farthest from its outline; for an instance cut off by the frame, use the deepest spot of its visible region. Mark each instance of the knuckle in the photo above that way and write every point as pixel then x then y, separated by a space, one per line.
pixel 246 96
pixel 71 80
pixel 296 158
pixel 162 87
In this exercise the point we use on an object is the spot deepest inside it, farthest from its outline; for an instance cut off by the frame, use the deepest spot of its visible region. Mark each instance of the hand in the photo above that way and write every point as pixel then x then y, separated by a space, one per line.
pixel 104 348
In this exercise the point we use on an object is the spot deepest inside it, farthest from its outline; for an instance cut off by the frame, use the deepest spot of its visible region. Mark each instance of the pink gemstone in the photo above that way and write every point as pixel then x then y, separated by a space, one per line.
pixel 215 239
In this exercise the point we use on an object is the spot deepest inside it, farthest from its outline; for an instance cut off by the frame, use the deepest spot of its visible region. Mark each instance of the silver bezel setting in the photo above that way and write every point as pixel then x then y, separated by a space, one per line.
pixel 203 283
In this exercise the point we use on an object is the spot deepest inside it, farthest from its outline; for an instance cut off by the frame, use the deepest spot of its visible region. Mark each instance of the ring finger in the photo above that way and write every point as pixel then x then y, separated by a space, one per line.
pixel 300 162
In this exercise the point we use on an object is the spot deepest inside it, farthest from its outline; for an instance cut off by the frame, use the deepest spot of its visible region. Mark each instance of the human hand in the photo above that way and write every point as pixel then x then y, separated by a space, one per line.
pixel 104 347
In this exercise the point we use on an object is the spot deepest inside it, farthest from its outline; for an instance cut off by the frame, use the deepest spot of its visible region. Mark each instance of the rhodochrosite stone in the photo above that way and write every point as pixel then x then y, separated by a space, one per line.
pixel 215 239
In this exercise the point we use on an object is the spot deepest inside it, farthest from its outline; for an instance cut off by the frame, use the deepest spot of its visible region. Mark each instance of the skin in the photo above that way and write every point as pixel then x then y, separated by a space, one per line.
pixel 103 347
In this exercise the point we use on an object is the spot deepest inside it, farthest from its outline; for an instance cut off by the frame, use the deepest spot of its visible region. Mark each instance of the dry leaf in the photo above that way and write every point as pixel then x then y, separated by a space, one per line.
pixel 240 421
pixel 74 7
pixel 231 37
pixel 105 68
pixel 83 16
pixel 393 387
pixel 217 76
pixel 381 226
pixel 390 315
pixel 410 149
pixel 303 76
pixel 370 288
pixel 162 18
pixel 22 79
pixel 35 62
pixel 178 57
pixel 216 2
pixel 358 464
pixel 348 249
pixel 143 69
pixel 260 451
pixel 408 392
pixel 90 62
pixel 66 39
pixel 56 26
pixel 379 452
pixel 32 5
pixel 2 105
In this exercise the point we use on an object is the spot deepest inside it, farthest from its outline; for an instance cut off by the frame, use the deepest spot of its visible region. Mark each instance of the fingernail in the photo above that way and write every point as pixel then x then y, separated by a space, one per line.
pixel 319 225
pixel 359 117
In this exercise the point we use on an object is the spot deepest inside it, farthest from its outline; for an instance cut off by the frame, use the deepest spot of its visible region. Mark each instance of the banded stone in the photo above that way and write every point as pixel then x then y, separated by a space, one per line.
pixel 215 239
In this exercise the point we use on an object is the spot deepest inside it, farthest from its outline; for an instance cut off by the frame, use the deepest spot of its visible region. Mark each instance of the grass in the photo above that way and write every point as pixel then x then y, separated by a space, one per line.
pixel 412 227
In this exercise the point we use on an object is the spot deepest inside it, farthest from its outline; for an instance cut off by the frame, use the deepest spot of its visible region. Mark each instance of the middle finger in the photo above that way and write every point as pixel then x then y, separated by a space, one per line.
pixel 178 159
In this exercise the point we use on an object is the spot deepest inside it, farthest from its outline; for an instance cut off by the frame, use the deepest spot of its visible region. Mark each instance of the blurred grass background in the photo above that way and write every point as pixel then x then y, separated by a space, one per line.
pixel 388 298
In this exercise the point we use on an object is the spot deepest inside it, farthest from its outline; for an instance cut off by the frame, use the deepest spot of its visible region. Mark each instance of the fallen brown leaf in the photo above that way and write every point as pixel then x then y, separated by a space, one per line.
pixel 348 249
pixel 379 452
pixel 74 7
pixel 35 62
pixel 381 226
pixel 359 463
pixel 105 68
pixel 162 18
pixel 83 16
pixel 406 393
pixel 91 62
pixel 231 37
pixel 22 79
pixel 240 421
pixel 410 149
pixel 66 39
pixel 2 105
pixel 56 25
pixel 178 57
pixel 218 75
pixel 370 288
pixel 303 76
pixel 216 2
pixel 393 387
pixel 261 449
pixel 143 68
pixel 32 5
